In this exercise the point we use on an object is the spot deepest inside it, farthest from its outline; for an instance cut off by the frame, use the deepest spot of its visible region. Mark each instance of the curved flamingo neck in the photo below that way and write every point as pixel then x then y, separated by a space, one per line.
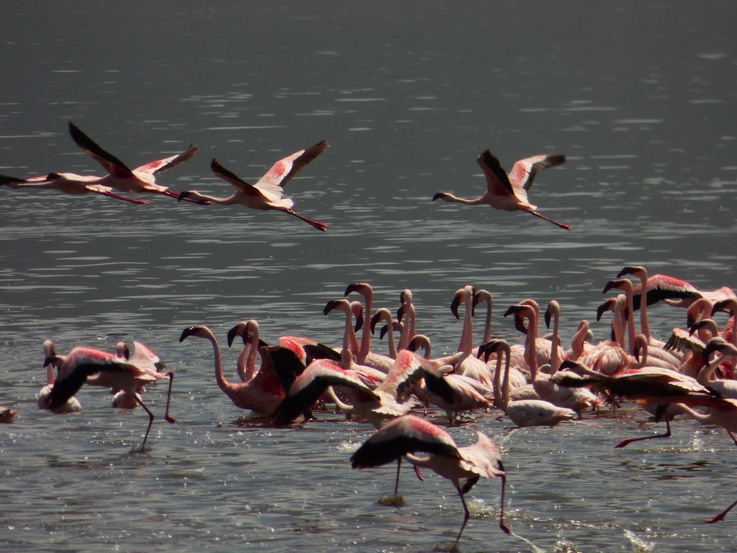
pixel 225 386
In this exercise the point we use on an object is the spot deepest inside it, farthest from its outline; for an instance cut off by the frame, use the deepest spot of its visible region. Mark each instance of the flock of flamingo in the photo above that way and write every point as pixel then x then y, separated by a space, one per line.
pixel 507 192
pixel 538 382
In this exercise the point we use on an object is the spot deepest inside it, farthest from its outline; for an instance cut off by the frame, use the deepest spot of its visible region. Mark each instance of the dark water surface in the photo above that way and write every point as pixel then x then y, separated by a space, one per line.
pixel 640 96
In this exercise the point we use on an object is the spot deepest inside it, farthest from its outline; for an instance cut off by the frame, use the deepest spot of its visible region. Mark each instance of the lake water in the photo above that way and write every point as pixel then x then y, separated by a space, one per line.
pixel 640 96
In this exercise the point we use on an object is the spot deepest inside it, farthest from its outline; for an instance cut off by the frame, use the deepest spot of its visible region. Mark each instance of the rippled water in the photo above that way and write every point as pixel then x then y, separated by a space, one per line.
pixel 640 96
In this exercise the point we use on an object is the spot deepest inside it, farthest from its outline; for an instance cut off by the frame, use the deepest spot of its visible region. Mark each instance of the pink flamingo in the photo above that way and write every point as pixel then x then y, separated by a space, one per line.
pixel 129 375
pixel 364 355
pixel 650 384
pixel 522 412
pixel 72 405
pixel 508 192
pixel 268 193
pixel 118 177
pixel 677 292
pixel 67 183
pixel 407 435
pixel 261 394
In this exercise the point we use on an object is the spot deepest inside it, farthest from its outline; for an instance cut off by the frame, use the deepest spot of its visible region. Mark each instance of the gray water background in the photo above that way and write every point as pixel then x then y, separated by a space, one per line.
pixel 640 96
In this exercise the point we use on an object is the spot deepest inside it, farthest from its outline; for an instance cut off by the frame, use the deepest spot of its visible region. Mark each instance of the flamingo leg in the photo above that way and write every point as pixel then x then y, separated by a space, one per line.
pixel 396 483
pixel 131 200
pixel 466 515
pixel 536 214
pixel 721 515
pixel 150 419
pixel 625 443
pixel 168 398
pixel 502 525
pixel 317 224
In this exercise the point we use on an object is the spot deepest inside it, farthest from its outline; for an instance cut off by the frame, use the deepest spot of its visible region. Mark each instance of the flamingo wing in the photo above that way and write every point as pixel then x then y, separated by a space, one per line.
pixel 238 183
pixel 497 179
pixel 523 172
pixel 111 163
pixel 310 385
pixel 406 434
pixel 285 169
pixel 161 165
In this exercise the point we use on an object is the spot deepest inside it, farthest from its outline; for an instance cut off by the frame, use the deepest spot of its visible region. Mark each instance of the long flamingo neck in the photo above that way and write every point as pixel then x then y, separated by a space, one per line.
pixel 466 344
pixel 531 342
pixel 366 333
pixel 554 355
pixel 631 332
pixel 225 386
pixel 644 325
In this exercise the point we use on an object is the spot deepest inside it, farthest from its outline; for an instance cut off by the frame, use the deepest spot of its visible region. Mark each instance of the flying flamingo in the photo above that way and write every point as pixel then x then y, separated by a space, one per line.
pixel 261 394
pixel 508 192
pixel 268 193
pixel 407 435
pixel 67 183
pixel 110 371
pixel 118 177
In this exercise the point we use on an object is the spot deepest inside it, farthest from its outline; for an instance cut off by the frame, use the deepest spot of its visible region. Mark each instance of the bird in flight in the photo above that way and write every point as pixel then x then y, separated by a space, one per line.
pixel 508 192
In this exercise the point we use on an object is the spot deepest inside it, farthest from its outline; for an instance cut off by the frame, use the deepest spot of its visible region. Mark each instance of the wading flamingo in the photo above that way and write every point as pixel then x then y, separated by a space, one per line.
pixel 508 192
pixel 268 193
pixel 407 435
pixel 109 371
pixel 261 394
pixel 72 405
pixel 523 412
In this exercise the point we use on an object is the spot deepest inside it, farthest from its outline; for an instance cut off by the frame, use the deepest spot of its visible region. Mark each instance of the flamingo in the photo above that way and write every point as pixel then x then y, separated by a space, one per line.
pixel 647 384
pixel 268 193
pixel 67 183
pixel 390 398
pixel 364 355
pixel 407 435
pixel 465 362
pixel 508 192
pixel 677 292
pixel 305 349
pixel 609 356
pixel 523 412
pixel 658 355
pixel 118 177
pixel 72 405
pixel 261 394
pixel 108 370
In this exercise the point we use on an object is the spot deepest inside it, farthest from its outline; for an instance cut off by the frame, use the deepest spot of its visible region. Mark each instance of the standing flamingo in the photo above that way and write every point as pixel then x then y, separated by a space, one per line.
pixel 261 394
pixel 405 436
pixel 268 193
pixel 508 192
pixel 523 412
pixel 109 371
